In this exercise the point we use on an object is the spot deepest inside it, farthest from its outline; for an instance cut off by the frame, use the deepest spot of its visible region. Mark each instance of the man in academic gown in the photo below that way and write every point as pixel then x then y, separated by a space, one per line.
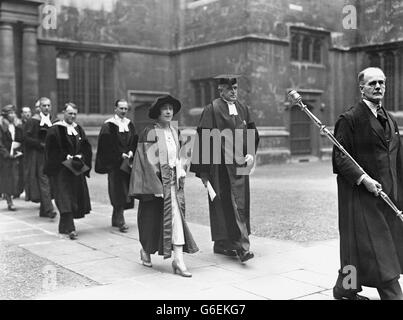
pixel 37 185
pixel 228 176
pixel 68 162
pixel 26 114
pixel 371 235
pixel 117 144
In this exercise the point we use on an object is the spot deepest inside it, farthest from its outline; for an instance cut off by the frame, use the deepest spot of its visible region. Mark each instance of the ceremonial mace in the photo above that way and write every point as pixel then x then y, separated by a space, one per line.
pixel 296 99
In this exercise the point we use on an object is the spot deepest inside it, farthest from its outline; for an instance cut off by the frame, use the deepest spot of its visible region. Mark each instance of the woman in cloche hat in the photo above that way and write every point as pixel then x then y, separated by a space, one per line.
pixel 157 180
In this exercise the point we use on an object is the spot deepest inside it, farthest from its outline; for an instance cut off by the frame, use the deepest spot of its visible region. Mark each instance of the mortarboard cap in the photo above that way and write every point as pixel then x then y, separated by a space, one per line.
pixel 230 79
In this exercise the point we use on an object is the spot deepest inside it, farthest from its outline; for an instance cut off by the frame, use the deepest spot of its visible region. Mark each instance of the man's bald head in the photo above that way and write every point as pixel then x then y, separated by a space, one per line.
pixel 370 71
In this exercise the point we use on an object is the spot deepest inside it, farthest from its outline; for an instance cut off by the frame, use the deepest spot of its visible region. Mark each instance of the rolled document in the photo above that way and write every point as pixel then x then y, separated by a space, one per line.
pixel 211 191
pixel 14 145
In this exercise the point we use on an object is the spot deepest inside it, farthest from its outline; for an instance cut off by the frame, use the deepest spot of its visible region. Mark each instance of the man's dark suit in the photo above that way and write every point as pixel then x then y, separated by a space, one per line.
pixel 371 236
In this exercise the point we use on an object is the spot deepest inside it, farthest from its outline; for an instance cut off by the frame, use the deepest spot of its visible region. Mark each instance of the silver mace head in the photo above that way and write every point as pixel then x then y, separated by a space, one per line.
pixel 294 96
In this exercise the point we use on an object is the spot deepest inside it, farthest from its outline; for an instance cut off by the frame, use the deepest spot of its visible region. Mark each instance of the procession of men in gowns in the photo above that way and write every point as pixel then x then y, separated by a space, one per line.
pixel 68 163
pixel 37 186
pixel 230 210
pixel 117 143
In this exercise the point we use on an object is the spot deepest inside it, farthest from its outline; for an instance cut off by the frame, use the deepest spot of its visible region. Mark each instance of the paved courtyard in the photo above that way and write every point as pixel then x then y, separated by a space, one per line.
pixel 104 264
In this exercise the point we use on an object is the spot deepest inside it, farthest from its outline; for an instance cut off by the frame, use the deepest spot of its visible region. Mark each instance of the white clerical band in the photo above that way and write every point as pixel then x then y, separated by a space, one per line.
pixel 232 109
pixel 71 131
pixel 45 120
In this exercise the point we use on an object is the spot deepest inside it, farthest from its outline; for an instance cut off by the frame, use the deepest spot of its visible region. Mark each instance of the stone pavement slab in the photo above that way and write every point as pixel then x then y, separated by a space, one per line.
pixel 276 287
pixel 280 269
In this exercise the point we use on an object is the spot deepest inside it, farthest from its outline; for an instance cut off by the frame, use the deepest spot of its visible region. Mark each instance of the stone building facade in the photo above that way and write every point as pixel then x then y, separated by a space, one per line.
pixel 93 52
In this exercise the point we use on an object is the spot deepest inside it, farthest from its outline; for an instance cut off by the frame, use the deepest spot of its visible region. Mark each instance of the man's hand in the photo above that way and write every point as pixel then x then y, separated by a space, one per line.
pixel 249 159
pixel 69 157
pixel 125 156
pixel 372 185
pixel 204 178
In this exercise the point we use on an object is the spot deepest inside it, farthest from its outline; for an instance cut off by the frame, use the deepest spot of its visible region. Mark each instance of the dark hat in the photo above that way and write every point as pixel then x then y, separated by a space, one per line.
pixel 230 79
pixel 76 166
pixel 6 109
pixel 154 110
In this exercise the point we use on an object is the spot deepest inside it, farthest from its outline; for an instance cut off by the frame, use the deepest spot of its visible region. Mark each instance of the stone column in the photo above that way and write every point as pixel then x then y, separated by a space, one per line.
pixel 30 76
pixel 7 65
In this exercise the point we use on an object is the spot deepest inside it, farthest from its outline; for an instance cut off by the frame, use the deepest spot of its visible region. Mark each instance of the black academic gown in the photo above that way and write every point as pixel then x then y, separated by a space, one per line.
pixel 230 181
pixel 21 168
pixel 111 145
pixel 371 236
pixel 8 166
pixel 34 144
pixel 70 191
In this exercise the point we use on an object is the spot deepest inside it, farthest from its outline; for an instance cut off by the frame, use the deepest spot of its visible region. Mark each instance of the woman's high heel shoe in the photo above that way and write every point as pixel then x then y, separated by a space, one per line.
pixel 145 259
pixel 183 273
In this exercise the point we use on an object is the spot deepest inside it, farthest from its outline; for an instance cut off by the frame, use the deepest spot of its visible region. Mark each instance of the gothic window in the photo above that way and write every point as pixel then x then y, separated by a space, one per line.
pixel 307 46
pixel 85 79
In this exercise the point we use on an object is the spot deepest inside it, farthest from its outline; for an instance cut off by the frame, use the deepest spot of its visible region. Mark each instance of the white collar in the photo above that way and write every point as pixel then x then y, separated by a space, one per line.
pixel 71 131
pixel 372 106
pixel 45 120
pixel 123 124
pixel 231 108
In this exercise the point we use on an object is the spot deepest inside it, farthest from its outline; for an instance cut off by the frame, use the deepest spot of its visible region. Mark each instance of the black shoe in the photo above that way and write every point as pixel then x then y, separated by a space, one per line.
pixel 11 207
pixel 124 228
pixel 245 255
pixel 52 215
pixel 340 294
pixel 225 252
pixel 73 235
